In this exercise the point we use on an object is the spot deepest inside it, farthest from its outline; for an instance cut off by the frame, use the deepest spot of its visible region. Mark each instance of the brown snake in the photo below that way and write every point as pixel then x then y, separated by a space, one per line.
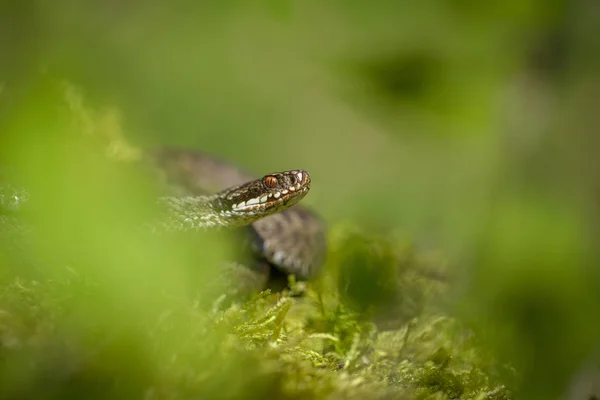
pixel 293 240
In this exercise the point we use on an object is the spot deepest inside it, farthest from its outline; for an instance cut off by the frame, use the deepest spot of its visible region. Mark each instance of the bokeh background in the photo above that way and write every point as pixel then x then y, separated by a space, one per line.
pixel 465 128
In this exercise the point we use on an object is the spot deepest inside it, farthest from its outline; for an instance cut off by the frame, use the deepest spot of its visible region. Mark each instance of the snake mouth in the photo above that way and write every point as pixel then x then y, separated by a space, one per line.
pixel 279 189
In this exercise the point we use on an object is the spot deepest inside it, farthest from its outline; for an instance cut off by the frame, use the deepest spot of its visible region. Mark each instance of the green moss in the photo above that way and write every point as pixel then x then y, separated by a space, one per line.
pixel 269 345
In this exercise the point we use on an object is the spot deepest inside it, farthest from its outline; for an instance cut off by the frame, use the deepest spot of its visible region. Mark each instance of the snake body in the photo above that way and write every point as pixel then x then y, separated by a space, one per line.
pixel 290 239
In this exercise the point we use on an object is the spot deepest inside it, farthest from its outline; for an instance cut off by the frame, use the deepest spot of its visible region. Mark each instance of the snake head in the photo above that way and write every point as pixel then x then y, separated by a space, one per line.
pixel 269 194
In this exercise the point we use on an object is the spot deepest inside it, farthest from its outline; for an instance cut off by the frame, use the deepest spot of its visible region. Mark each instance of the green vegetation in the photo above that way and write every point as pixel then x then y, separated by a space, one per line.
pixel 452 147
pixel 302 343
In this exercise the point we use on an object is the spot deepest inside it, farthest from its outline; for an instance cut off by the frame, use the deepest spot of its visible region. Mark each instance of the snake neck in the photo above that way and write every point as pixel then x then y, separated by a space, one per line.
pixel 200 212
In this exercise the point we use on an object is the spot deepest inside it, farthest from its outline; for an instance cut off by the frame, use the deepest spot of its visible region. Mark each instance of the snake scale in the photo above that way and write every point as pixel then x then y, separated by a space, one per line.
pixel 204 192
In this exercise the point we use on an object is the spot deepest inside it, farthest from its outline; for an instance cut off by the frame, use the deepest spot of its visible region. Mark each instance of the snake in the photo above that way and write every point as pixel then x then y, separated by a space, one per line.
pixel 208 192
pixel 203 192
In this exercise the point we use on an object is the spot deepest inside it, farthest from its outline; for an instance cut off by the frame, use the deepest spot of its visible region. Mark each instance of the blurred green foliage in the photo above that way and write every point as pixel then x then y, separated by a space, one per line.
pixel 452 146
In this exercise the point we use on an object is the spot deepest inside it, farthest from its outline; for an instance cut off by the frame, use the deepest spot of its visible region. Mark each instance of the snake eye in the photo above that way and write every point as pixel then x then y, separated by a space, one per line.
pixel 271 181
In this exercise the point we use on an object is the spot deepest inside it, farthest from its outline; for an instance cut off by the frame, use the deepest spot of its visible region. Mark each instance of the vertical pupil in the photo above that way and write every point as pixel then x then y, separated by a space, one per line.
pixel 271 181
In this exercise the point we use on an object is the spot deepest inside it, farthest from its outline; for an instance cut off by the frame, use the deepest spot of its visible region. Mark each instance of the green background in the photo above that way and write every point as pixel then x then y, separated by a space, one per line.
pixel 463 127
